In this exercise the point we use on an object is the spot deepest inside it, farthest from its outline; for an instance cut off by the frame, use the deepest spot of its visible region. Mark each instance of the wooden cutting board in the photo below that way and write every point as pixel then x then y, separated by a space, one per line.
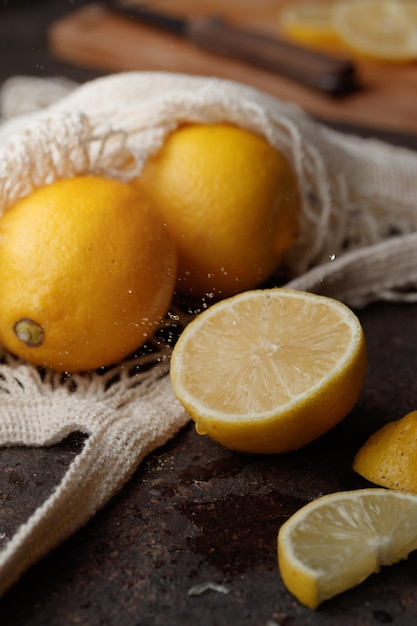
pixel 98 39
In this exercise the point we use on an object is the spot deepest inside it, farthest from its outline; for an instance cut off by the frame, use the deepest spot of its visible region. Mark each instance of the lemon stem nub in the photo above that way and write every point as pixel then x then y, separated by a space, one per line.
pixel 29 332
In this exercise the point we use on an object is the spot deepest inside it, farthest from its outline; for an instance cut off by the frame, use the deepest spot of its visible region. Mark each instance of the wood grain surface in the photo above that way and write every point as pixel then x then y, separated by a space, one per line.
pixel 95 37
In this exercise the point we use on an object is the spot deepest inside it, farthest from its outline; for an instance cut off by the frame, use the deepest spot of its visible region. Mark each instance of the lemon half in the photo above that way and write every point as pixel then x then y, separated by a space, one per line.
pixel 271 370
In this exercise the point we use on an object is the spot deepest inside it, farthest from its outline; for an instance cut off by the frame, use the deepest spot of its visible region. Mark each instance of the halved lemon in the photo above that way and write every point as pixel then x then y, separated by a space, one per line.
pixel 335 542
pixel 379 29
pixel 309 23
pixel 268 371
pixel 389 457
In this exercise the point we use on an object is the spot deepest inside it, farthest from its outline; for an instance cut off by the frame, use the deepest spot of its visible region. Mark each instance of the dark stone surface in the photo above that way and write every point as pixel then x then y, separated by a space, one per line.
pixel 195 512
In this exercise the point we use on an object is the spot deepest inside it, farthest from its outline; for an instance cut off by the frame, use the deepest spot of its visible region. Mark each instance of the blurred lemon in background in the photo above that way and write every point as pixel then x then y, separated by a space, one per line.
pixel 379 29
pixel 383 30
pixel 309 23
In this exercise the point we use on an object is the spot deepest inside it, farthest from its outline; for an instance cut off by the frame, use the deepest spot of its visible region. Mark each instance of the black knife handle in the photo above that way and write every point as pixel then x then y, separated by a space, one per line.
pixel 333 75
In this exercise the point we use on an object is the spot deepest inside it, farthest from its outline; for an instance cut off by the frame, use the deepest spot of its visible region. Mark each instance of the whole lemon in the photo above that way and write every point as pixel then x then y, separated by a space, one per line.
pixel 87 271
pixel 231 203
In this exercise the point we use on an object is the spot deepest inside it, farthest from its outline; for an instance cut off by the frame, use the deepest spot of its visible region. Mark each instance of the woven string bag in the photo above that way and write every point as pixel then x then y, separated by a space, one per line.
pixel 358 243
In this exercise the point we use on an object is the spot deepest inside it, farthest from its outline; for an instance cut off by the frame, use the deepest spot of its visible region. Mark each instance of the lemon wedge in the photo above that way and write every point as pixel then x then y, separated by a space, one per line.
pixel 335 542
pixel 389 457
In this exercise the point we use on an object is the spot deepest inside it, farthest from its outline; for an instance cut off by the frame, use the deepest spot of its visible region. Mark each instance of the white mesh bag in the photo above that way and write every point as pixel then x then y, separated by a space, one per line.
pixel 358 243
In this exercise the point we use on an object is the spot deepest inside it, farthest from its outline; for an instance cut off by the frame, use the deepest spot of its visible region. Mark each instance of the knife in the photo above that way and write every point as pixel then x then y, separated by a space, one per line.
pixel 400 138
pixel 332 75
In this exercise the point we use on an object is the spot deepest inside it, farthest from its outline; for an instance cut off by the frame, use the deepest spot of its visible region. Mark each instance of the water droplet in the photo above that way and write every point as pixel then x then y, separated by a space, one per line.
pixel 332 257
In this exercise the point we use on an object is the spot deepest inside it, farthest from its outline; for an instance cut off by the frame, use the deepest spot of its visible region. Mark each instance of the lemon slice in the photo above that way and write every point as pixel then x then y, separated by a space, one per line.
pixel 379 29
pixel 335 542
pixel 271 370
pixel 309 23
pixel 389 457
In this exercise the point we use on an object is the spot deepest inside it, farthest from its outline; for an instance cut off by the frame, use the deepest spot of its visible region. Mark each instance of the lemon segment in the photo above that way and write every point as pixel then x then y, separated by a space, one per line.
pixel 335 542
pixel 271 370
pixel 378 29
pixel 389 457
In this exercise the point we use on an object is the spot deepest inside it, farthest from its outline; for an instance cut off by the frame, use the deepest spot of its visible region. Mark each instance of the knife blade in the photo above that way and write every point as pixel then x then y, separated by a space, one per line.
pixel 400 138
pixel 328 74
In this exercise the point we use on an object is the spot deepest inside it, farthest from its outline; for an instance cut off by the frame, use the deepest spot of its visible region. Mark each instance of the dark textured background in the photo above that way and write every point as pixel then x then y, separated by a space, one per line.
pixel 194 511
pixel 23 38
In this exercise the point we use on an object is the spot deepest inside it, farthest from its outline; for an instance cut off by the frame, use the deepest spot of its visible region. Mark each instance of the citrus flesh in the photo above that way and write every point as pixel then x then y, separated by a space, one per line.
pixel 268 371
pixel 379 29
pixel 87 271
pixel 335 542
pixel 309 23
pixel 389 457
pixel 231 203
pixel 384 30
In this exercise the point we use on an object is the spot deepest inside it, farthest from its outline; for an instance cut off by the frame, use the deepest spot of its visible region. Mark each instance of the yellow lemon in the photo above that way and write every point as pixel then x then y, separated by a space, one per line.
pixel 389 457
pixel 231 203
pixel 335 542
pixel 270 370
pixel 87 271
pixel 309 23
pixel 379 29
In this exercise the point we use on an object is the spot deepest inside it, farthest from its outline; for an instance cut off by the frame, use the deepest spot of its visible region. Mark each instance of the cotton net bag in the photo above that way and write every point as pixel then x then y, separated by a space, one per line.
pixel 358 243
